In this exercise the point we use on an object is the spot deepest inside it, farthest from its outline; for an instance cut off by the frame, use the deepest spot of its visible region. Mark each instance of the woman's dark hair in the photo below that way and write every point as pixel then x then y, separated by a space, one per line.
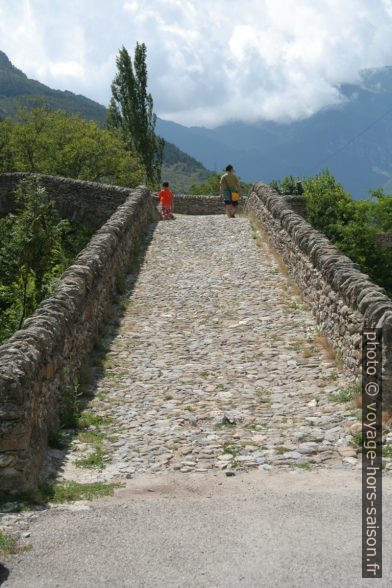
pixel 165 184
pixel 229 167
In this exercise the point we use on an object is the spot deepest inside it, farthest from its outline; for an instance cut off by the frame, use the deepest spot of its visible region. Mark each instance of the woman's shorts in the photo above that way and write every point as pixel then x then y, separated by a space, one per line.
pixel 227 197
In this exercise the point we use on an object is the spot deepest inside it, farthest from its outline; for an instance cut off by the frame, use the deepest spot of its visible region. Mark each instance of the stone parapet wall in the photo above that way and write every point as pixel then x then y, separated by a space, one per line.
pixel 296 204
pixel 343 299
pixel 87 203
pixel 39 364
pixel 190 204
pixel 209 204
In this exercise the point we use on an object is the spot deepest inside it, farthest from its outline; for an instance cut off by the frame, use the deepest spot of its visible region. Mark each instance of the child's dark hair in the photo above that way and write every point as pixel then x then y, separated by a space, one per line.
pixel 229 167
pixel 165 184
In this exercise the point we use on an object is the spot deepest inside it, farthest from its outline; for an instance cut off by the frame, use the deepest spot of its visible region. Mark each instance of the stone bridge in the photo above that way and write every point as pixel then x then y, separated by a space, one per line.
pixel 228 349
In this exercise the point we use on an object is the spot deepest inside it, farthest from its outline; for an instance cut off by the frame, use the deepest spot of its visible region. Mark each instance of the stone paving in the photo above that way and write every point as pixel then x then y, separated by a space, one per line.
pixel 216 364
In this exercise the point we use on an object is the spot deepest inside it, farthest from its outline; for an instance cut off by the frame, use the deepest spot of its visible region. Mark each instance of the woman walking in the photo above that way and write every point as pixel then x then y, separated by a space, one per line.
pixel 230 190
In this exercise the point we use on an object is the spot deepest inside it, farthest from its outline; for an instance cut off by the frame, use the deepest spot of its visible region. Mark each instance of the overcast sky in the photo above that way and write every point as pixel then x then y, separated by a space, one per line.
pixel 209 61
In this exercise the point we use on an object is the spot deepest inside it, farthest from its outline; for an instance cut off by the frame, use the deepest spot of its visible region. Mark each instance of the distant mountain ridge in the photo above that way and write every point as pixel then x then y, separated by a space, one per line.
pixel 16 89
pixel 352 140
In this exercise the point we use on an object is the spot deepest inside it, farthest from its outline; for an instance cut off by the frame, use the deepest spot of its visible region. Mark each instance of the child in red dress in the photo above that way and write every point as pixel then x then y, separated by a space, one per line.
pixel 166 202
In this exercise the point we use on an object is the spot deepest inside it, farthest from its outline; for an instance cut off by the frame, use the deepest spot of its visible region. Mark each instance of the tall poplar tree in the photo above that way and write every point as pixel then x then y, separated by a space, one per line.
pixel 131 110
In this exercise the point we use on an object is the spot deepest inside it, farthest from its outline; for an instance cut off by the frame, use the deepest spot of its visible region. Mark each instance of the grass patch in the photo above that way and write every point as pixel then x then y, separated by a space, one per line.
pixel 303 466
pixel 225 425
pixel 90 419
pixel 8 544
pixel 331 354
pixel 387 451
pixel 357 438
pixel 93 461
pixel 253 427
pixel 71 410
pixel 233 450
pixel 297 346
pixel 58 493
pixel 349 393
pixel 58 440
pixel 92 437
pixel 86 376
pixel 263 395
pixel 71 491
pixel 294 305
pixel 108 364
pixel 280 449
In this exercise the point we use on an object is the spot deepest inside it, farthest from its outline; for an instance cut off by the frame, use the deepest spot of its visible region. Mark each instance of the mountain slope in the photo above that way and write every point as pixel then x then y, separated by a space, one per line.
pixel 352 140
pixel 16 90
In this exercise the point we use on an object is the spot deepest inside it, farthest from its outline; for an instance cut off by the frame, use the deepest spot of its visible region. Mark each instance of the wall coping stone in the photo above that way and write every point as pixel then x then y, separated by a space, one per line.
pixel 43 358
pixel 303 246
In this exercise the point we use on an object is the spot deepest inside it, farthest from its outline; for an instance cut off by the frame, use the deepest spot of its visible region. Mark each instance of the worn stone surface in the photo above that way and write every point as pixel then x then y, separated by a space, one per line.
pixel 39 364
pixel 88 203
pixel 342 299
pixel 216 364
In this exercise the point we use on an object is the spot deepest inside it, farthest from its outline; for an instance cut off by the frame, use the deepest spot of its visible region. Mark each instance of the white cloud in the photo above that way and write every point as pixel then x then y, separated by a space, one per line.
pixel 208 62
pixel 66 69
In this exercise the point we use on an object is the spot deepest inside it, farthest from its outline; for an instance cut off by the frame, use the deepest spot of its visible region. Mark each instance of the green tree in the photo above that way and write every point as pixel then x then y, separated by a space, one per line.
pixel 131 110
pixel 211 186
pixel 36 246
pixel 327 202
pixel 57 143
pixel 352 225
pixel 382 210
pixel 6 155
pixel 287 186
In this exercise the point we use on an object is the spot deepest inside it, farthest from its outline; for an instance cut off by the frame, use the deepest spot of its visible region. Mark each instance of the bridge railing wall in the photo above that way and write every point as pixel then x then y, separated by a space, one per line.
pixel 342 298
pixel 209 204
pixel 88 203
pixel 39 364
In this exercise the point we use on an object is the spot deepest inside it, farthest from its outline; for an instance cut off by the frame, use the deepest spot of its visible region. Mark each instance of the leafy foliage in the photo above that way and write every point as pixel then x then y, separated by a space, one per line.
pixel 287 186
pixel 131 110
pixel 352 225
pixel 36 246
pixel 211 186
pixel 57 143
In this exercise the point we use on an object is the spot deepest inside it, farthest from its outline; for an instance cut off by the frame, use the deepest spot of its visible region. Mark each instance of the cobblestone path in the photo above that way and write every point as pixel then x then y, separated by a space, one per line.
pixel 216 364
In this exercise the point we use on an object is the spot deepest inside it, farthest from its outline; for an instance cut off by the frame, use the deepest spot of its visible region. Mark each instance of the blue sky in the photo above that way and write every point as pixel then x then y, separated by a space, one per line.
pixel 209 61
